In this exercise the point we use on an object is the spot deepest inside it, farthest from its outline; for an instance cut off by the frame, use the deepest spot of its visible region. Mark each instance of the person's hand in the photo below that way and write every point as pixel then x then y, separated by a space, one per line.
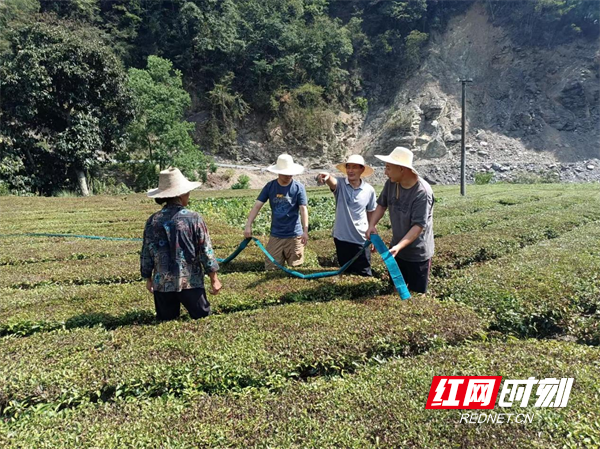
pixel 149 285
pixel 394 250
pixel 323 177
pixel 248 232
pixel 371 230
pixel 304 238
pixel 372 248
pixel 215 286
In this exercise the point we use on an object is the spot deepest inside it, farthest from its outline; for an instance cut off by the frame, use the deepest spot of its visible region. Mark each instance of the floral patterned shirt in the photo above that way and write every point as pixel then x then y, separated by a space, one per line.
pixel 176 247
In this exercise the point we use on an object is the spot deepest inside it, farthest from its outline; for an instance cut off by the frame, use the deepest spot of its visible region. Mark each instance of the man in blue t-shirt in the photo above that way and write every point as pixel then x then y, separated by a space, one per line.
pixel 289 214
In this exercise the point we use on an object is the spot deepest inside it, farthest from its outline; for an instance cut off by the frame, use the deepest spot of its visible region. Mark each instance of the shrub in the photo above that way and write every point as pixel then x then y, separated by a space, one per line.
pixel 483 178
pixel 228 174
pixel 108 187
pixel 303 113
pixel 529 295
pixel 362 104
pixel 146 175
pixel 193 164
pixel 399 123
pixel 243 182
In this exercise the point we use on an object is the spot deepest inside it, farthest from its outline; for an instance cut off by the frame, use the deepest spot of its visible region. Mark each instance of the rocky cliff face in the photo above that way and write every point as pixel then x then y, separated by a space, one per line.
pixel 525 106
pixel 528 108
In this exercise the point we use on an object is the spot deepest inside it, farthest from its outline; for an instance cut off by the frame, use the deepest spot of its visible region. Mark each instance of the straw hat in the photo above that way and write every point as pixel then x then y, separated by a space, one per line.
pixel 400 156
pixel 356 159
pixel 172 183
pixel 285 166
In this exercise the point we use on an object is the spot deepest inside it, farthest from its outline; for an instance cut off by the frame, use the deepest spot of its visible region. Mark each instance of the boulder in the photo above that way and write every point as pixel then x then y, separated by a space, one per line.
pixel 435 149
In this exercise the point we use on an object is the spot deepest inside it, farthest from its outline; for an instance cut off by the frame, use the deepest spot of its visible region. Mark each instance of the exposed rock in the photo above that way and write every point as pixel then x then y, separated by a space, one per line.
pixel 432 109
pixel 403 141
pixel 436 149
pixel 422 140
pixel 451 138
pixel 573 98
pixel 276 134
pixel 346 119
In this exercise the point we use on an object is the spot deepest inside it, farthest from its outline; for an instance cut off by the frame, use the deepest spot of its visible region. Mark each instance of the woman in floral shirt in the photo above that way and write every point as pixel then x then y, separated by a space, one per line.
pixel 177 251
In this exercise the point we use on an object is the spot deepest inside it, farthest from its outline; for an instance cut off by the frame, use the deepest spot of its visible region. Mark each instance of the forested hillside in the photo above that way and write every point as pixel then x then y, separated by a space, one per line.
pixel 84 82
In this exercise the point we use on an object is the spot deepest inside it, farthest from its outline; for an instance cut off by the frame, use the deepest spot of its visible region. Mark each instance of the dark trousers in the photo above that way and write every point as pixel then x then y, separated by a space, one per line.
pixel 346 251
pixel 168 304
pixel 415 274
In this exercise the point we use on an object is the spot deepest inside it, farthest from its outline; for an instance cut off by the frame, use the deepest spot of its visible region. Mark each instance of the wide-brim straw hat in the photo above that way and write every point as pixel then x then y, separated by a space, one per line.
pixel 400 156
pixel 172 183
pixel 356 159
pixel 285 166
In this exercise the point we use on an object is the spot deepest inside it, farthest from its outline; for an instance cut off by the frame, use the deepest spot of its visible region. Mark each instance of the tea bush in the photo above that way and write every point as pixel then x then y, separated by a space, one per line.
pixel 222 353
pixel 544 290
pixel 381 405
pixel 337 362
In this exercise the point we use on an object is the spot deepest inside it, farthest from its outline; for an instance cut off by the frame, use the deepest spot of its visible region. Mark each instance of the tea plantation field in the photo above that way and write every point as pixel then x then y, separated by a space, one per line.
pixel 285 362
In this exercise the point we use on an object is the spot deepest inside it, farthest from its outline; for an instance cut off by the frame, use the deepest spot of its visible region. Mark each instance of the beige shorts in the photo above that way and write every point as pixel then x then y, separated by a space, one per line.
pixel 290 250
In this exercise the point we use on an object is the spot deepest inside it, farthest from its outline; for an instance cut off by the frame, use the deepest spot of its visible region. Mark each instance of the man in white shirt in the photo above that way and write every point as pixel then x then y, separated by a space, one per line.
pixel 355 202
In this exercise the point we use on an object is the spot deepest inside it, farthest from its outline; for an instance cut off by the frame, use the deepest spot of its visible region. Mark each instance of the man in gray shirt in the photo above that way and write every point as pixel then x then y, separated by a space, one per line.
pixel 355 202
pixel 410 200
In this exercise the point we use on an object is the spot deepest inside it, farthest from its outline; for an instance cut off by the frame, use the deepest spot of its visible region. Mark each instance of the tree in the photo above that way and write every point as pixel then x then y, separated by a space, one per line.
pixel 65 103
pixel 14 11
pixel 227 108
pixel 84 10
pixel 159 131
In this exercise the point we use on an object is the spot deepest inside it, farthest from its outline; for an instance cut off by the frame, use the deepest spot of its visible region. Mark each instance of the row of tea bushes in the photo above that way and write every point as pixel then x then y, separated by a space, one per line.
pixel 507 237
pixel 25 312
pixel 25 250
pixel 264 348
pixel 494 198
pixel 125 267
pixel 544 290
pixel 511 216
pixel 380 406
pixel 111 270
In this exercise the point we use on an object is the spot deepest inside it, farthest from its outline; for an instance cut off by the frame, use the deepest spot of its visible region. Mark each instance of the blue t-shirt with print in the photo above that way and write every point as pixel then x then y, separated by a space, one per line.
pixel 285 202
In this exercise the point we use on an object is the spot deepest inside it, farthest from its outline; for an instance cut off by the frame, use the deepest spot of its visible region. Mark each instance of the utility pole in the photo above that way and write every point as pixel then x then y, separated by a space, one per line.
pixel 463 152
